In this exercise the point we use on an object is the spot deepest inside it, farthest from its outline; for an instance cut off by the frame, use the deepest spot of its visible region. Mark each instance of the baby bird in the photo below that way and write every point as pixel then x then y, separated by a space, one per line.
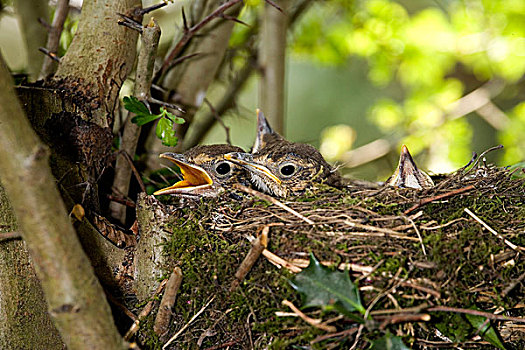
pixel 205 171
pixel 408 175
pixel 280 167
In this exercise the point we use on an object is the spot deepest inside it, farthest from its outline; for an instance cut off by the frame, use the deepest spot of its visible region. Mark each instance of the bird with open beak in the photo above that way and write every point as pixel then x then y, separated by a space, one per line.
pixel 205 172
pixel 408 175
pixel 280 167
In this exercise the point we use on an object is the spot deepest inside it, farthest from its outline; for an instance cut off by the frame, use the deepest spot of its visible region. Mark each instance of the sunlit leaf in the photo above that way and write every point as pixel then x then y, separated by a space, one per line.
pixel 165 132
pixel 177 120
pixel 327 289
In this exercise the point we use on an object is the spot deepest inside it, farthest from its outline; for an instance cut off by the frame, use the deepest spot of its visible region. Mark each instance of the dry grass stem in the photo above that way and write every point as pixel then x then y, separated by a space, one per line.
pixel 311 321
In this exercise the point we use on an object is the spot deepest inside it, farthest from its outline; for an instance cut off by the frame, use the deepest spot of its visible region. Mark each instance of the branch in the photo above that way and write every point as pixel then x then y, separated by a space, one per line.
pixel 190 32
pixel 143 79
pixel 272 62
pixel 53 38
pixel 76 300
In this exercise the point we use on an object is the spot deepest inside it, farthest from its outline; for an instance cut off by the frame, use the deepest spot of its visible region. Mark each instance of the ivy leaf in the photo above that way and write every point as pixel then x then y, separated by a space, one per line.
pixel 389 342
pixel 328 289
pixel 485 330
pixel 132 104
pixel 165 132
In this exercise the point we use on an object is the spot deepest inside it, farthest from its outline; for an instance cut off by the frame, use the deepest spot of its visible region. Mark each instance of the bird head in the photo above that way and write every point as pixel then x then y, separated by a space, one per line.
pixel 265 134
pixel 284 168
pixel 408 175
pixel 205 171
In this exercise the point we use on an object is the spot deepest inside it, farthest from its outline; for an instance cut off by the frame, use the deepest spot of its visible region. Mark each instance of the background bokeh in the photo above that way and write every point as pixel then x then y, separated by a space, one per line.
pixel 444 77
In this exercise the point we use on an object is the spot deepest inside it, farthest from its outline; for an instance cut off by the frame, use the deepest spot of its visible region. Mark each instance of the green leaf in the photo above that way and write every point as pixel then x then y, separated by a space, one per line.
pixel 485 330
pixel 328 289
pixel 165 132
pixel 144 119
pixel 388 342
pixel 132 104
pixel 171 116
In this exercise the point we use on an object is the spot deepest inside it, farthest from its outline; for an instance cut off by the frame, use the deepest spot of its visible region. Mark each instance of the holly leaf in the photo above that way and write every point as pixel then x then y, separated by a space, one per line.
pixel 165 132
pixel 485 330
pixel 327 289
pixel 388 342
pixel 132 104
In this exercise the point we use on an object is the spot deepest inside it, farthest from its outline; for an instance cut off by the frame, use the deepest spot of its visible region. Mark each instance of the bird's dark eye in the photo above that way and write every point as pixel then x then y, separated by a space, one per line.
pixel 223 168
pixel 287 170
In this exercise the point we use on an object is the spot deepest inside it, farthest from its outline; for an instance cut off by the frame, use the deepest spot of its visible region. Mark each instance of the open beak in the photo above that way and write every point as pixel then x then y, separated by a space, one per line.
pixel 195 180
pixel 246 161
pixel 408 175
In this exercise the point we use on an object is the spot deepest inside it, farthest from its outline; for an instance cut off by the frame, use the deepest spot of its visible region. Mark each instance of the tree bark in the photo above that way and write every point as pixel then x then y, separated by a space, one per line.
pixel 101 56
pixel 143 78
pixel 76 301
pixel 23 308
pixel 272 62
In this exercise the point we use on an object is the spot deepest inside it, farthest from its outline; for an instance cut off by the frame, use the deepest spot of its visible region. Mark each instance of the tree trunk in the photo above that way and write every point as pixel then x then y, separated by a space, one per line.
pixel 76 301
pixel 23 308
pixel 272 63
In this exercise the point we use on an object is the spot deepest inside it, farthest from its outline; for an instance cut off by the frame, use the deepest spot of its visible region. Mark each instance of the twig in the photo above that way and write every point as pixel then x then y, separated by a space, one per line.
pixel 219 119
pixel 506 241
pixel 120 306
pixel 53 38
pixel 258 245
pixel 344 333
pixel 280 262
pixel 273 201
pixel 53 56
pixel 188 324
pixel 476 313
pixel 441 196
pixel 313 322
pixel 143 77
pixel 512 285
pixel 190 32
pixel 418 235
pixel 404 318
pixel 5 236
pixel 163 317
pixel 466 171
pixel 166 104
pixel 145 312
pixel 302 263
pixel 152 8
pixel 121 200
pixel 223 345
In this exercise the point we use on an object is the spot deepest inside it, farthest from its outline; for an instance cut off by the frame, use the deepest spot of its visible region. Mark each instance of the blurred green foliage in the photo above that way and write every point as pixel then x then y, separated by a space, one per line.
pixel 433 54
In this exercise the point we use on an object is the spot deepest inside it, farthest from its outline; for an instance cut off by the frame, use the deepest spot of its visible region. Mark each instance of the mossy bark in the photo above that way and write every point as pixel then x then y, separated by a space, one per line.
pixel 151 260
pixel 23 308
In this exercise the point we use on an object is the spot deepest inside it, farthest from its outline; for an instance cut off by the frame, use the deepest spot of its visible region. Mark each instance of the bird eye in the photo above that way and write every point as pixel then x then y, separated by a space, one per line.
pixel 223 168
pixel 287 169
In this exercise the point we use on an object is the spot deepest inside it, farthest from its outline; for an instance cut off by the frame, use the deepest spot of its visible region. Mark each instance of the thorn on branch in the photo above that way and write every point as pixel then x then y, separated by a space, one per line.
pixel 49 54
pixel 152 8
pixel 184 21
pixel 182 59
pixel 166 104
pixel 44 24
pixel 273 4
pixel 234 19
pixel 129 22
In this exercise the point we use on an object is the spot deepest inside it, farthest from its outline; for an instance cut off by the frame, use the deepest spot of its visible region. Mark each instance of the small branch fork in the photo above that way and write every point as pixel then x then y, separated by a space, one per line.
pixel 189 32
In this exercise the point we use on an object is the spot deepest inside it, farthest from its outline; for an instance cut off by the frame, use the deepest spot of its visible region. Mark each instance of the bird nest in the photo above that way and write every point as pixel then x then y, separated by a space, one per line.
pixel 428 264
